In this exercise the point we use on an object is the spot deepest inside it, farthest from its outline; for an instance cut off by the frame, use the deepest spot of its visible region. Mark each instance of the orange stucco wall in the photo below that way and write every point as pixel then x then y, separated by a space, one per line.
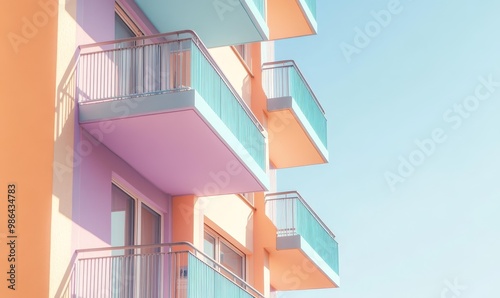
pixel 187 220
pixel 28 59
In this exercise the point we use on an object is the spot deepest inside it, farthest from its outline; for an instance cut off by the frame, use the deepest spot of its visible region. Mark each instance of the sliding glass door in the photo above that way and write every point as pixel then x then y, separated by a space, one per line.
pixel 135 272
pixel 122 234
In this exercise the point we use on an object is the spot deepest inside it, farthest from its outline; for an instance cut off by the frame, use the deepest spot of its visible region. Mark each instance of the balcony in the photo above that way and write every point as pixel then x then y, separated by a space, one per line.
pixel 291 18
pixel 303 243
pixel 164 270
pixel 162 104
pixel 218 23
pixel 297 124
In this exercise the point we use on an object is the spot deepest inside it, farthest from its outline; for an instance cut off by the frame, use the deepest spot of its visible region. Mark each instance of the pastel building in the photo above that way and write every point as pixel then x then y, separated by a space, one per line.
pixel 163 125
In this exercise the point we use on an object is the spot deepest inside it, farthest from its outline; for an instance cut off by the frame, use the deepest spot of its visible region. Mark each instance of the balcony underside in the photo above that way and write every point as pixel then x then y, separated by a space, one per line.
pixel 295 265
pixel 218 23
pixel 293 141
pixel 177 142
pixel 290 18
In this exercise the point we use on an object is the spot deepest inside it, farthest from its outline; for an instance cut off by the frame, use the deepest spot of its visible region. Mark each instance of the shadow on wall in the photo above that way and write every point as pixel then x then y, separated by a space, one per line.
pixel 64 127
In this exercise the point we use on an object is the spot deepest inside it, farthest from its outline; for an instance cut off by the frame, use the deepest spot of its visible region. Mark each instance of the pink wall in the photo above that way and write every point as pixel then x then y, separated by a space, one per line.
pixel 92 193
pixel 96 19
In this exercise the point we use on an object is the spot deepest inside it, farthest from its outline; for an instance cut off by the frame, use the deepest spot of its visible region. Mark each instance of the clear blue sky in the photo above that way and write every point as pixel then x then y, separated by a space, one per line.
pixel 419 76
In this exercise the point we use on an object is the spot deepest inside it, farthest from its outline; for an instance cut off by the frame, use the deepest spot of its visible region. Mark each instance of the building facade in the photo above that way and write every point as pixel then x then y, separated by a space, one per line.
pixel 161 126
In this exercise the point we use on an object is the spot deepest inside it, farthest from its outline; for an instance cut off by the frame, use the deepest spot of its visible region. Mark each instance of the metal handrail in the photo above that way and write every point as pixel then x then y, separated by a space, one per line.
pixel 170 246
pixel 291 63
pixel 297 196
pixel 175 36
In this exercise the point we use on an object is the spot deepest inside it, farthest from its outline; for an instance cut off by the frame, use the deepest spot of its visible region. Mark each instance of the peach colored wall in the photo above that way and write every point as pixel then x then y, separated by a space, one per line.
pixel 234 70
pixel 233 217
pixel 263 237
pixel 267 275
pixel 259 99
pixel 62 187
pixel 28 59
pixel 187 220
pixel 264 234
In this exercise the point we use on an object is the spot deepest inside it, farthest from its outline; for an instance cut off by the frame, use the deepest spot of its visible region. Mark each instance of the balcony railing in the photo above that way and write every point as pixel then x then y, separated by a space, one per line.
pixel 166 63
pixel 292 216
pixel 283 79
pixel 312 6
pixel 164 270
pixel 261 6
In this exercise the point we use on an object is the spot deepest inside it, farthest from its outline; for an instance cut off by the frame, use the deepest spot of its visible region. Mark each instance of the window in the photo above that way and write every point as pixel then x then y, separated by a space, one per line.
pixel 124 25
pixel 125 60
pixel 150 225
pixel 209 246
pixel 122 30
pixel 125 227
pixel 133 222
pixel 244 51
pixel 231 259
pixel 224 253
pixel 122 218
pixel 249 197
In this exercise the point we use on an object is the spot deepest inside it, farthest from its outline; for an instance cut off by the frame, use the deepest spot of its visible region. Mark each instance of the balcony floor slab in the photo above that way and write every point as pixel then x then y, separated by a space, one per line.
pixel 292 254
pixel 293 142
pixel 175 141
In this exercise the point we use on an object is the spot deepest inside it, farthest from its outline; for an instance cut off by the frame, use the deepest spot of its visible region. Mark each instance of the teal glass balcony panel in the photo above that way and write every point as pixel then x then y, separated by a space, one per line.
pixel 289 95
pixel 311 5
pixel 283 79
pixel 293 218
pixel 218 23
pixel 315 234
pixel 261 7
pixel 205 281
pixel 208 82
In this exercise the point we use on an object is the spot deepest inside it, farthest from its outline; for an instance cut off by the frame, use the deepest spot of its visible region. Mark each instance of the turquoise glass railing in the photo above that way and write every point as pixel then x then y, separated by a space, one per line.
pixel 205 281
pixel 312 6
pixel 293 216
pixel 282 79
pixel 164 63
pixel 314 233
pixel 216 92
pixel 261 6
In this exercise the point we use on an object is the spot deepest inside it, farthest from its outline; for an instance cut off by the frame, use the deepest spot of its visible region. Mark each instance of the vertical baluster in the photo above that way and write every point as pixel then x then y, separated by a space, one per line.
pixel 99 73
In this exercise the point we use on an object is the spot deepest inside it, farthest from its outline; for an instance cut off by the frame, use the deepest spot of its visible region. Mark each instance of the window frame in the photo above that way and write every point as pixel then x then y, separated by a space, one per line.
pixel 128 20
pixel 137 218
pixel 220 239
pixel 244 54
